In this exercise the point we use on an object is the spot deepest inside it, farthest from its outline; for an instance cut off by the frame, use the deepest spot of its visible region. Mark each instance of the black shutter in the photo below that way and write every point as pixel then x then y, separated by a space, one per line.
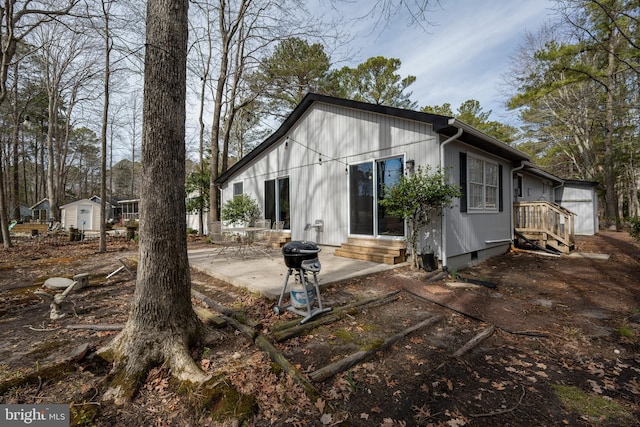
pixel 463 182
pixel 500 197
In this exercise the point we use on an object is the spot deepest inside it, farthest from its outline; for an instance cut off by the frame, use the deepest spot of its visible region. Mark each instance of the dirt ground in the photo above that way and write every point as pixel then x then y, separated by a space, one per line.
pixel 565 349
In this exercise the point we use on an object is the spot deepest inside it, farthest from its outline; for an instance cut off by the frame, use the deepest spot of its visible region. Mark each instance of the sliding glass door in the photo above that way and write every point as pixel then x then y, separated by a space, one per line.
pixel 276 201
pixel 366 188
pixel 361 198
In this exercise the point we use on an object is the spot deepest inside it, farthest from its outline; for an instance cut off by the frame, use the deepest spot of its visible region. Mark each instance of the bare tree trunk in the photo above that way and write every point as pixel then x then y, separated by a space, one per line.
pixel 227 34
pixel 15 198
pixel 162 323
pixel 134 129
pixel 105 118
pixel 634 204
pixel 52 191
pixel 4 220
pixel 208 55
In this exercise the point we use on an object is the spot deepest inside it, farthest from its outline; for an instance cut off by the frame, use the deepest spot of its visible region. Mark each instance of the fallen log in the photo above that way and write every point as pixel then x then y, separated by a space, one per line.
pixel 212 303
pixel 54 372
pixel 479 282
pixel 330 370
pixel 235 314
pixel 98 327
pixel 298 329
pixel 263 343
pixel 209 318
pixel 475 341
pixel 471 316
pixel 486 333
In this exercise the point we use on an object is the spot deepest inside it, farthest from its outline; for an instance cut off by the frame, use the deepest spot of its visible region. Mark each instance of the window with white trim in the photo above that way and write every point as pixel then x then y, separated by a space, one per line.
pixel 483 184
pixel 238 189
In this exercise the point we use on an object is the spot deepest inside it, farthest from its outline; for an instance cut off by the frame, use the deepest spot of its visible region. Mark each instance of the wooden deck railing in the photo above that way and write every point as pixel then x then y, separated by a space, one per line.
pixel 545 217
pixel 130 216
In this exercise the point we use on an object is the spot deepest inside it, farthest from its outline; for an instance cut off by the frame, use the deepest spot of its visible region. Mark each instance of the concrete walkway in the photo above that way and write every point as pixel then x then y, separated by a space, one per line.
pixel 264 274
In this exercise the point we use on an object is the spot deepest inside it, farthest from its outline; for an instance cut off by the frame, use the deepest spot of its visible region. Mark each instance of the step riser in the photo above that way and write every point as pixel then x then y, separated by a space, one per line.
pixel 374 250
pixel 358 241
pixel 381 259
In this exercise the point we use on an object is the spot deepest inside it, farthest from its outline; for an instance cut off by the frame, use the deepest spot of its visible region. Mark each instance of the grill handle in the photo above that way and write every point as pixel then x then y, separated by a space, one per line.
pixel 308 251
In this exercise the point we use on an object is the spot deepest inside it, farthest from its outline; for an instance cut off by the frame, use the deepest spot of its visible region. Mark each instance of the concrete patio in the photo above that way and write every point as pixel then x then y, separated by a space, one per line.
pixel 265 274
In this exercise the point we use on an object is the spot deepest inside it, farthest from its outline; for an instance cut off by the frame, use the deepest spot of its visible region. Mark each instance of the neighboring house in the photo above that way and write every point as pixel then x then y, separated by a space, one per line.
pixel 129 210
pixel 25 213
pixel 41 211
pixel 322 174
pixel 82 214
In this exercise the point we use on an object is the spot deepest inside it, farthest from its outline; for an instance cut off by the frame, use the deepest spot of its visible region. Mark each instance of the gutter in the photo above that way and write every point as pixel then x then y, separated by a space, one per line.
pixel 443 222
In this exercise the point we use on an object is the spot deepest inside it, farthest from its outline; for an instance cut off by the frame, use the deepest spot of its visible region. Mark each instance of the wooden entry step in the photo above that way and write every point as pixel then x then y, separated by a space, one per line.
pixel 543 240
pixel 374 250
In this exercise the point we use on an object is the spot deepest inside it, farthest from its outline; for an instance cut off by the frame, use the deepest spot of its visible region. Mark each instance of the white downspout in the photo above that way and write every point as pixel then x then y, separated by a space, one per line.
pixel 511 187
pixel 443 222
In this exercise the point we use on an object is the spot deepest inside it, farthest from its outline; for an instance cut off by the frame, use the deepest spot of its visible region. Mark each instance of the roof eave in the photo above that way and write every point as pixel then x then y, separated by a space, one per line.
pixel 481 140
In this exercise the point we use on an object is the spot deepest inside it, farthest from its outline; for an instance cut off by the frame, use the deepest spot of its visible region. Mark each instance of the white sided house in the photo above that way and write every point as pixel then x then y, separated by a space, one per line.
pixel 322 174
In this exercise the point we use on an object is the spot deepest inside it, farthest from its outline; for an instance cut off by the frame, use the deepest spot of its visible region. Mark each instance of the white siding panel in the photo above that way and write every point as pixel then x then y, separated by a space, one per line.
pixel 69 216
pixel 535 189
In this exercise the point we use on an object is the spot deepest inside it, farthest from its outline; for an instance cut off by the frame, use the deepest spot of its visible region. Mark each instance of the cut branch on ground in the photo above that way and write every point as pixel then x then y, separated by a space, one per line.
pixel 330 370
pixel 261 341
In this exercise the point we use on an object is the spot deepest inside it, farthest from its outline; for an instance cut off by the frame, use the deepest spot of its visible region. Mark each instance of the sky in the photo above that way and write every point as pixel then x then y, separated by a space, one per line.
pixel 464 53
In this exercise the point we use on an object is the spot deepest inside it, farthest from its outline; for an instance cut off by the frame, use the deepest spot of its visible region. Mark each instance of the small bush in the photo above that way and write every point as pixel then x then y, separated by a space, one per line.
pixel 240 210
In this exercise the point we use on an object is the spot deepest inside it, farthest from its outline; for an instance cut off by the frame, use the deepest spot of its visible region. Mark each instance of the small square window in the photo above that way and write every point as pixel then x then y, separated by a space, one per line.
pixel 238 189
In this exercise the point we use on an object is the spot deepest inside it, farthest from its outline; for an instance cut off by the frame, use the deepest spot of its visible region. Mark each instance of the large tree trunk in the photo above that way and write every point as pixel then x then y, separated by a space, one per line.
pixel 162 324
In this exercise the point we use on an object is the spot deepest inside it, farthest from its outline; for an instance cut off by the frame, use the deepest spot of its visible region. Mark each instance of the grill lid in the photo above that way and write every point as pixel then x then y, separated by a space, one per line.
pixel 299 247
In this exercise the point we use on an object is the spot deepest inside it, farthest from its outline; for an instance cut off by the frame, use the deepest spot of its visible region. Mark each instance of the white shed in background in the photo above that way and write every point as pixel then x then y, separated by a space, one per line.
pixel 82 214
pixel 581 198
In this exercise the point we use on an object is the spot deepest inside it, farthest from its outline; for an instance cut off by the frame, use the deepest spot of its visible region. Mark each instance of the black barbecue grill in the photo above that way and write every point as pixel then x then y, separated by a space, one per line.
pixel 301 258
pixel 298 251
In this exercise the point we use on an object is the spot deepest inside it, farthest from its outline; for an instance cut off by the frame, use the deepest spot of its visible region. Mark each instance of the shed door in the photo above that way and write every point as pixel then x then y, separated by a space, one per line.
pixel 85 216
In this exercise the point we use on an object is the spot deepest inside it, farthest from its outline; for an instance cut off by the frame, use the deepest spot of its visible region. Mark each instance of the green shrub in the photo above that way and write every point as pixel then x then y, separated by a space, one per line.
pixel 241 210
pixel 419 198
